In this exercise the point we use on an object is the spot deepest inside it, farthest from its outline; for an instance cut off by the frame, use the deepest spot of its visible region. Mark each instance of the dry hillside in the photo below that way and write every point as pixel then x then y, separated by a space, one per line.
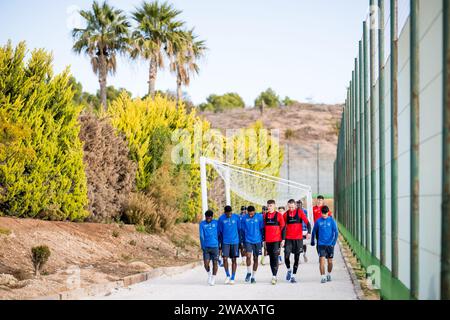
pixel 311 124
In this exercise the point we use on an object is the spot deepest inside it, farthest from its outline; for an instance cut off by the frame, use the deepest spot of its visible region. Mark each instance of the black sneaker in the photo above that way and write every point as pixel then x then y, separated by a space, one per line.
pixel 247 278
pixel 253 281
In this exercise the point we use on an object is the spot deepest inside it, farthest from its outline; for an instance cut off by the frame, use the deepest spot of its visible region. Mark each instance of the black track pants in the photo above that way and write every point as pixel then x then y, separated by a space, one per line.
pixel 273 249
pixel 287 261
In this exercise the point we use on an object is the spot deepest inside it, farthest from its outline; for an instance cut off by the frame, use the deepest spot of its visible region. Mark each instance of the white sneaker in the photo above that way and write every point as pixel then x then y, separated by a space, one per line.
pixel 227 280
pixel 305 258
pixel 274 280
pixel 212 283
pixel 231 282
pixel 209 278
pixel 262 261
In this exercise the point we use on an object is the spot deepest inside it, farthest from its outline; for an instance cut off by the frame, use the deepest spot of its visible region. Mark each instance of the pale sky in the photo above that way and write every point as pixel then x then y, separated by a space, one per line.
pixel 301 48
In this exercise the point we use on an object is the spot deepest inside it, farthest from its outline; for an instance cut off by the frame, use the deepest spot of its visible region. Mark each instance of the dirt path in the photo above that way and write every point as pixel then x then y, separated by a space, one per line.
pixel 191 285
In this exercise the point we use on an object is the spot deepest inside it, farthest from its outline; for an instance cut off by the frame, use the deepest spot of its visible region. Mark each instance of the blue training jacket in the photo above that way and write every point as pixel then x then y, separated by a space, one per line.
pixel 209 234
pixel 305 226
pixel 325 231
pixel 252 229
pixel 229 229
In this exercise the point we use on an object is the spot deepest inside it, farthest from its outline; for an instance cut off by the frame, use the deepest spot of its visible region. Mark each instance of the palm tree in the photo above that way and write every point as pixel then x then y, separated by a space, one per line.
pixel 154 36
pixel 187 51
pixel 106 34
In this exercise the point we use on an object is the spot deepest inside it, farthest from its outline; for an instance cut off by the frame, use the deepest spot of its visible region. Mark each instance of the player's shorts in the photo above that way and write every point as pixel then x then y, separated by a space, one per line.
pixel 230 250
pixel 293 246
pixel 211 254
pixel 254 248
pixel 326 251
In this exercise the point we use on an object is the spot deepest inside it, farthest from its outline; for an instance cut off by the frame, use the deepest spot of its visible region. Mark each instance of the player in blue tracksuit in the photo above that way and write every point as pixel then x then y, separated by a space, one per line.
pixel 209 241
pixel 326 232
pixel 252 234
pixel 243 254
pixel 305 230
pixel 229 239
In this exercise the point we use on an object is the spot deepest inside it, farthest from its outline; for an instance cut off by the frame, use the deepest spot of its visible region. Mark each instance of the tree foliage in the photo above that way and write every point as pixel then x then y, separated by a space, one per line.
pixel 288 102
pixel 221 103
pixel 41 170
pixel 106 35
pixel 92 102
pixel 270 98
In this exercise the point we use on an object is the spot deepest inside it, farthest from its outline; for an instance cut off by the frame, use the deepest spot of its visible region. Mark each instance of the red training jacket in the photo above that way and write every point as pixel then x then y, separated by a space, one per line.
pixel 317 212
pixel 273 228
pixel 294 227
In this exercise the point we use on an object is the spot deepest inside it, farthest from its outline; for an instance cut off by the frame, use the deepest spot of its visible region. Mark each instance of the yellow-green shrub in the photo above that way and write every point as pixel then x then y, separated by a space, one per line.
pixel 148 126
pixel 48 179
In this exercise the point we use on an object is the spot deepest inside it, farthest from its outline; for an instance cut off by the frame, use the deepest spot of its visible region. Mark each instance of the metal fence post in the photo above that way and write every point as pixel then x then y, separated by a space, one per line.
pixel 361 150
pixel 373 155
pixel 357 153
pixel 394 136
pixel 382 106
pixel 445 250
pixel 415 147
pixel 366 136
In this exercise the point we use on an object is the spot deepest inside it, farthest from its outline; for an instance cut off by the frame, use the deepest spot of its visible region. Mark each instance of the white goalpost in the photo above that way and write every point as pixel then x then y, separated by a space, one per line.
pixel 253 186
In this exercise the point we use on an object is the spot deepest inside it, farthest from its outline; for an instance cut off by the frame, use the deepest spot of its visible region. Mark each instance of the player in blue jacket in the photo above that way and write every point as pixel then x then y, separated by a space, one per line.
pixel 326 232
pixel 229 239
pixel 209 241
pixel 252 231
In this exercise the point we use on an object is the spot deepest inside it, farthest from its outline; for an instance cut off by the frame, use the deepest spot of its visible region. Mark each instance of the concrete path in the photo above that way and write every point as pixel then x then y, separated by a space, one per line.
pixel 192 285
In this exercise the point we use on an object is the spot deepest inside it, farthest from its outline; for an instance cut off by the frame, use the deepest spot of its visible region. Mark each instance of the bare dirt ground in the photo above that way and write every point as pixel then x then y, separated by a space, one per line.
pixel 99 252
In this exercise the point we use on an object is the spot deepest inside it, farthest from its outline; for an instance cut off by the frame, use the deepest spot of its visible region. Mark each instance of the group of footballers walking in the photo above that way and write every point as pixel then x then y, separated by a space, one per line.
pixel 249 233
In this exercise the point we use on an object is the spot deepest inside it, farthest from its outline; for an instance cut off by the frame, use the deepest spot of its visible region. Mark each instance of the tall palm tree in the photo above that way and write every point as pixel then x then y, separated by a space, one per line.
pixel 154 37
pixel 106 34
pixel 187 51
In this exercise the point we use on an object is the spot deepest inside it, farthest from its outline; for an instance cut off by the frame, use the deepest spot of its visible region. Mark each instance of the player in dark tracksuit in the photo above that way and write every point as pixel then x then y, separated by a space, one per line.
pixel 294 218
pixel 274 235
pixel 326 232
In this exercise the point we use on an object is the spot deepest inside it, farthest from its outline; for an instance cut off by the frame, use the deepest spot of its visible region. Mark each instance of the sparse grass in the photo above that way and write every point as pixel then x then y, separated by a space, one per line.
pixel 289 134
pixel 127 257
pixel 4 231
pixel 140 228
pixel 360 272
pixel 184 241
pixel 115 234
pixel 133 243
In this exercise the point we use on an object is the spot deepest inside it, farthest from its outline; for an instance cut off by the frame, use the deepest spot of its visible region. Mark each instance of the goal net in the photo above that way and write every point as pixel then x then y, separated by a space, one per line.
pixel 254 187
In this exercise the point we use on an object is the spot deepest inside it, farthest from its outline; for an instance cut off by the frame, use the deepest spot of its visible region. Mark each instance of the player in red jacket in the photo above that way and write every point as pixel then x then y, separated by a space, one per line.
pixel 274 235
pixel 317 210
pixel 294 219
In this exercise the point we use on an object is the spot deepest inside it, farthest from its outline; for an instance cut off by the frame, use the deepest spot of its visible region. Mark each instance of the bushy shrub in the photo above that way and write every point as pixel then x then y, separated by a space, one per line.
pixel 110 173
pixel 148 125
pixel 224 102
pixel 270 98
pixel 141 210
pixel 51 182
pixel 39 257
